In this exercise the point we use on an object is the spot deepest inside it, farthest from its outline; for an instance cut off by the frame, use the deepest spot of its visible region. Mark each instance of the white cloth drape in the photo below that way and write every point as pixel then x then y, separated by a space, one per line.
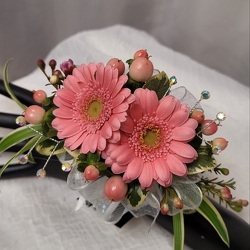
pixel 37 214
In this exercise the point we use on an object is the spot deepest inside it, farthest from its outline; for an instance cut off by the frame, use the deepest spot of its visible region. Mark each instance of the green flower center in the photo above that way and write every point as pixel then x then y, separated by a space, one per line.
pixel 150 138
pixel 94 109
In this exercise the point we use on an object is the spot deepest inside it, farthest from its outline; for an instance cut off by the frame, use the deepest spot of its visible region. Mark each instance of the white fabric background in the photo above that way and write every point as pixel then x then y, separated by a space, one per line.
pixel 214 32
pixel 37 214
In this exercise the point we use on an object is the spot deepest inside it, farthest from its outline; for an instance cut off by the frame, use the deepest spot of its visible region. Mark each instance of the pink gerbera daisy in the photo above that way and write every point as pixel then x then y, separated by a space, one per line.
pixel 91 107
pixel 155 141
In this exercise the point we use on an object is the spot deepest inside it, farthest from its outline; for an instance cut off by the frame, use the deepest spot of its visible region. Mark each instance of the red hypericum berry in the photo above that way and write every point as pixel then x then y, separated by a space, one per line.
pixel 115 188
pixel 91 173
pixel 67 67
pixel 141 53
pixel 219 141
pixel 211 129
pixel 141 69
pixel 34 114
pixel 198 115
pixel 117 64
pixel 39 96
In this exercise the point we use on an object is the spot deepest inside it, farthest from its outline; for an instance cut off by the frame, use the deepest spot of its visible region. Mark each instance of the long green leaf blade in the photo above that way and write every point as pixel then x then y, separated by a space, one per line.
pixel 211 214
pixel 25 148
pixel 8 88
pixel 178 225
pixel 19 135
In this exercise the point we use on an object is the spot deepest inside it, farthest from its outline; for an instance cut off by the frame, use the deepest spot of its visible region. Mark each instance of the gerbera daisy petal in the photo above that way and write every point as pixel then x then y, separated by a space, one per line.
pixel 71 130
pixel 92 70
pixel 116 136
pixel 183 149
pixel 118 100
pixel 75 141
pixel 118 169
pixel 128 125
pixel 146 176
pixel 118 150
pixel 149 101
pixel 85 72
pixel 162 169
pixel 101 143
pixel 121 81
pixel 107 76
pixel 135 111
pixel 78 74
pixel 100 75
pixel 65 94
pixel 63 113
pixel 125 157
pixel 134 168
pixel 114 123
pixel 70 83
pixel 121 108
pixel 179 117
pixel 165 183
pixel 176 166
pixel 183 133
pixel 183 159
pixel 93 142
pixel 106 130
pixel 86 145
pixel 166 107
pixel 191 123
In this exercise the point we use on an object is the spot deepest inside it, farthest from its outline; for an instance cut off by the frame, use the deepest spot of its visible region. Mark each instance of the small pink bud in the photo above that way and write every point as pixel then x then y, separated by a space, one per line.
pixel 41 64
pixel 164 208
pixel 244 203
pixel 54 79
pixel 226 194
pixel 224 171
pixel 52 64
pixel 67 67
pixel 178 203
pixel 59 74
pixel 225 190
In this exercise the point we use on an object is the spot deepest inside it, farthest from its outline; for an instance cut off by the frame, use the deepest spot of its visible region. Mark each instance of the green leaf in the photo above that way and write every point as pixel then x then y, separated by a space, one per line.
pixel 132 84
pixel 135 194
pixel 211 214
pixel 8 88
pixel 159 83
pixel 93 158
pixel 178 225
pixel 204 162
pixel 81 166
pixel 18 135
pixel 101 166
pixel 25 148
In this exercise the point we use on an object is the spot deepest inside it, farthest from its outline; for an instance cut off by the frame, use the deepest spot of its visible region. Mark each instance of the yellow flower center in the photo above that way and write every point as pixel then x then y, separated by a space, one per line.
pixel 94 109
